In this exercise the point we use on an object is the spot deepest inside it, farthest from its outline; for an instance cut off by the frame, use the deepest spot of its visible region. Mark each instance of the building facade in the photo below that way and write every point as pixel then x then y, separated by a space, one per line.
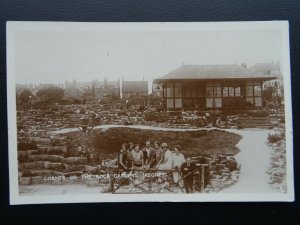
pixel 273 69
pixel 134 88
pixel 97 89
pixel 212 86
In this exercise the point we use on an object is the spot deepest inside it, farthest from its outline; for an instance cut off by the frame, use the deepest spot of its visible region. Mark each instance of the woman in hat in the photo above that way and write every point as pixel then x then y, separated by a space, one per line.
pixel 123 159
pixel 167 162
pixel 178 160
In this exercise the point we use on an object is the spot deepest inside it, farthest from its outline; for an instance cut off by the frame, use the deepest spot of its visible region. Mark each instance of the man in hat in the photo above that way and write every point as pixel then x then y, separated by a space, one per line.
pixel 159 153
pixel 149 155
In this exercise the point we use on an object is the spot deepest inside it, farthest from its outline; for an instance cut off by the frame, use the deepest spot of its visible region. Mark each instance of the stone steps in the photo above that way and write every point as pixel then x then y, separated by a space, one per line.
pixel 254 122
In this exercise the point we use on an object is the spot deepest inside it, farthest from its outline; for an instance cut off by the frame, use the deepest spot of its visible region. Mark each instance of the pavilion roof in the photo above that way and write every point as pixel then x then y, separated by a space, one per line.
pixel 213 72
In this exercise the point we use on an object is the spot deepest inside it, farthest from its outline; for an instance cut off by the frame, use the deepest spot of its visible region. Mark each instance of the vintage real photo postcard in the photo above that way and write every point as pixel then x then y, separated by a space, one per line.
pixel 130 112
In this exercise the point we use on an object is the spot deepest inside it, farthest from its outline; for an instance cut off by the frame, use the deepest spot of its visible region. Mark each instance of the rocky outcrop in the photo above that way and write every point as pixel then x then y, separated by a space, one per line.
pixel 56 161
pixel 277 169
pixel 194 143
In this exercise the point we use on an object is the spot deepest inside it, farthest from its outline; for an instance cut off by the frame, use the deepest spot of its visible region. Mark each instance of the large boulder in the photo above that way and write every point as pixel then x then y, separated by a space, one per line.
pixel 56 150
pixel 75 160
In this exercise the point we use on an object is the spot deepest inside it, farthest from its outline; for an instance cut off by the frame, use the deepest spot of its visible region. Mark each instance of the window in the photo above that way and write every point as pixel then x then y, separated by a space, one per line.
pixel 249 90
pixel 254 93
pixel 209 92
pixel 218 102
pixel 225 91
pixel 177 92
pixel 231 91
pixel 169 91
pixel 237 91
pixel 209 102
pixel 170 103
pixel 178 103
pixel 173 94
pixel 257 90
pixel 213 95
pixel 217 91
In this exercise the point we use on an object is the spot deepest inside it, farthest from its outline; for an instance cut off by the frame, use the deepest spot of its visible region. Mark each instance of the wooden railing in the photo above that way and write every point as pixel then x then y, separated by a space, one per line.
pixel 190 179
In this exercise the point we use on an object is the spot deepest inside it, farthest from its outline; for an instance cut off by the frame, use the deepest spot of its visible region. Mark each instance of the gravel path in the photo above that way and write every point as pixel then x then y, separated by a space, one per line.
pixel 254 158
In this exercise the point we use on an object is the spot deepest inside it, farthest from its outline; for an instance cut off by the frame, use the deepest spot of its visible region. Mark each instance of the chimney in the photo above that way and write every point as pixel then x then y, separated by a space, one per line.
pixel 244 65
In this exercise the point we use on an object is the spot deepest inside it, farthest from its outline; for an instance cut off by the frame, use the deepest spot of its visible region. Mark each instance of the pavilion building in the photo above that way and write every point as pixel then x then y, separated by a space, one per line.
pixel 205 87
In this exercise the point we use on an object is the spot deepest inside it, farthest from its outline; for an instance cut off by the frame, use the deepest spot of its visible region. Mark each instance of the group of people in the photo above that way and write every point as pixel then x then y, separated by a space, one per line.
pixel 158 157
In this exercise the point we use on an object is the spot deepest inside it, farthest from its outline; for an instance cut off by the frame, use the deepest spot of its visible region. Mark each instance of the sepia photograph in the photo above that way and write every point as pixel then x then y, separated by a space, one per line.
pixel 143 112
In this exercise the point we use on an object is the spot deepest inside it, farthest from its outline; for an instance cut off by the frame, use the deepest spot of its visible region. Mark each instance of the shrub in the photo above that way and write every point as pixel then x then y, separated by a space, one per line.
pixel 273 138
pixel 175 113
pixel 260 113
pixel 156 117
pixel 226 113
pixel 236 104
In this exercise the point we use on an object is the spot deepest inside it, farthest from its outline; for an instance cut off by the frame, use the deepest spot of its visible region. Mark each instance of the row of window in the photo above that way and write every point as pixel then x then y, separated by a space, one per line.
pixel 170 92
pixel 213 93
pixel 212 102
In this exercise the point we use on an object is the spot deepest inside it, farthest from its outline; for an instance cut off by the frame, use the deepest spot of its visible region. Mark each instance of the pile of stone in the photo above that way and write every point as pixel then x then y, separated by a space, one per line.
pixel 48 164
pixel 277 169
pixel 224 172
pixel 37 122
pixel 206 174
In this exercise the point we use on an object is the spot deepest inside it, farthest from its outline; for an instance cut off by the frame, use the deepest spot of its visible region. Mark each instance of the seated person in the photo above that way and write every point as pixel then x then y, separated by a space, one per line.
pixel 137 157
pixel 149 155
pixel 159 153
pixel 167 162
pixel 178 160
pixel 123 159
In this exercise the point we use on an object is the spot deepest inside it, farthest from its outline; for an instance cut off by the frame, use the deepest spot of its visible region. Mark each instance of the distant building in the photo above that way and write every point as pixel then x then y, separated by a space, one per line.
pixel 272 69
pixel 108 87
pixel 97 89
pixel 73 92
pixel 157 90
pixel 212 86
pixel 134 88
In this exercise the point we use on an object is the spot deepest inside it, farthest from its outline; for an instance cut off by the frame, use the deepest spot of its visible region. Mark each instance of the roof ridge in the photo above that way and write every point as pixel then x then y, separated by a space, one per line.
pixel 212 65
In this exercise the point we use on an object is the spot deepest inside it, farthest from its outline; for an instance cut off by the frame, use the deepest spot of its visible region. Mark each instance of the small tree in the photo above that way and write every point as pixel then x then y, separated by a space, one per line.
pixel 51 94
pixel 268 93
pixel 25 96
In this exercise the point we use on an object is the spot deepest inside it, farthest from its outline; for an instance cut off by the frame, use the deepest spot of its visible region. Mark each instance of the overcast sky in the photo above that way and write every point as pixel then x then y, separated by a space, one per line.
pixel 56 56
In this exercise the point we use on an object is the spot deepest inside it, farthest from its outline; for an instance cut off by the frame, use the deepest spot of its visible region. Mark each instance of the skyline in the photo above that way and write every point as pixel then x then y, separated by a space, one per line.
pixel 118 78
pixel 56 55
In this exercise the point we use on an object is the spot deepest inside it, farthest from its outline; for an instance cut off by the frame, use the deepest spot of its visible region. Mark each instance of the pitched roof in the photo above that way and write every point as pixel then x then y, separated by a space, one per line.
pixel 74 89
pixel 100 84
pixel 266 68
pixel 135 86
pixel 110 84
pixel 204 72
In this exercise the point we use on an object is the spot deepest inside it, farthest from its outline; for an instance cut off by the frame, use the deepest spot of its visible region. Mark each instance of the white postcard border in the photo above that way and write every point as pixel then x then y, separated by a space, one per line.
pixel 15 198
